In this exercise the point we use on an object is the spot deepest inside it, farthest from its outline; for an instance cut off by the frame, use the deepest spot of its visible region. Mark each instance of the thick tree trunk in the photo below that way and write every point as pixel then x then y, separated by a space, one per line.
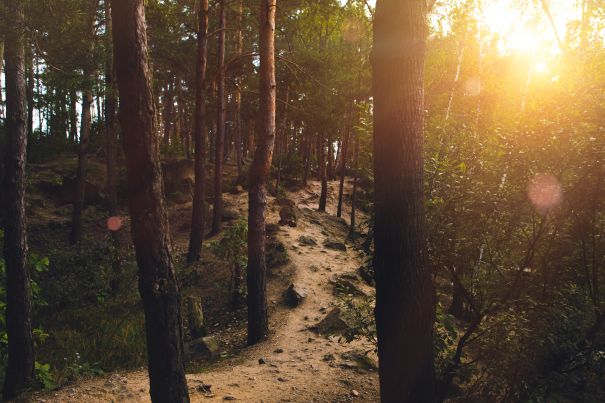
pixel 76 224
pixel 404 291
pixel 150 232
pixel 20 364
pixel 220 124
pixel 197 214
pixel 321 167
pixel 258 327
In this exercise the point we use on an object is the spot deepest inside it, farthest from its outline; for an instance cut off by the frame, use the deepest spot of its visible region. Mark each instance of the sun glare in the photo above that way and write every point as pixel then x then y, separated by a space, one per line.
pixel 526 29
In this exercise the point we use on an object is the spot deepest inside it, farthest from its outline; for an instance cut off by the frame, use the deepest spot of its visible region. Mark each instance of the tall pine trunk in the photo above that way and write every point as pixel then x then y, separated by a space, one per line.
pixel 258 327
pixel 321 167
pixel 197 214
pixel 220 124
pixel 404 291
pixel 353 222
pixel 76 224
pixel 343 159
pixel 239 48
pixel 20 364
pixel 148 213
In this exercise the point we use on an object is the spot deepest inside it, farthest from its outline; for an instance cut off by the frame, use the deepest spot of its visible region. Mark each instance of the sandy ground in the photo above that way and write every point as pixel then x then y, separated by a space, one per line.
pixel 300 366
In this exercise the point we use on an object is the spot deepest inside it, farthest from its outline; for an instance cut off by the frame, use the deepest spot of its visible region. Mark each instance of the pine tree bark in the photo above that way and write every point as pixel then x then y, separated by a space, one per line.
pixel 29 63
pixel 197 215
pixel 353 222
pixel 343 160
pixel 258 327
pixel 323 177
pixel 76 223
pixel 149 219
pixel 404 291
pixel 20 364
pixel 220 124
pixel 111 130
pixel 239 48
pixel 73 116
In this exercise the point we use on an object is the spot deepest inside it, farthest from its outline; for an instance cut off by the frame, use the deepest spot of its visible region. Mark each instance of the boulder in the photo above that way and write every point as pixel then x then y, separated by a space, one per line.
pixel 237 189
pixel 344 286
pixel 195 317
pixel 295 294
pixel 206 348
pixel 335 245
pixel 307 240
pixel 288 212
pixel 276 254
pixel 334 322
pixel 367 274
pixel 229 214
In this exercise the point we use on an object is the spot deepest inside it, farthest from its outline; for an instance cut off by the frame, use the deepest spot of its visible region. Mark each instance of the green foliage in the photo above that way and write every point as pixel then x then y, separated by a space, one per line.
pixel 232 246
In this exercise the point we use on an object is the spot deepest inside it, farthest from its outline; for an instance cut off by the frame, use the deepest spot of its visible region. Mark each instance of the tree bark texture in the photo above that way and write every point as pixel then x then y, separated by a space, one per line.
pixel 404 291
pixel 149 219
pixel 258 327
pixel 197 215
pixel 20 364
pixel 220 124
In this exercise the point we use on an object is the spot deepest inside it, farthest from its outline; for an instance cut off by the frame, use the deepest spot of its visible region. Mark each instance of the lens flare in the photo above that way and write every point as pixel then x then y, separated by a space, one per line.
pixel 114 223
pixel 544 191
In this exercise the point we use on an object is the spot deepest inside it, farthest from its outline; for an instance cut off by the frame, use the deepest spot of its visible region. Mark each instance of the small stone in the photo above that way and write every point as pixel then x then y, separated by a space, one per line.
pixel 295 295
pixel 354 393
pixel 261 361
pixel 278 350
pixel 328 357
pixel 229 398
pixel 282 379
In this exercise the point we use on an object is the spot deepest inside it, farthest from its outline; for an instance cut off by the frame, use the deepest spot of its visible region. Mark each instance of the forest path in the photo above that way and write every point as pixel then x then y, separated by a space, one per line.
pixel 300 365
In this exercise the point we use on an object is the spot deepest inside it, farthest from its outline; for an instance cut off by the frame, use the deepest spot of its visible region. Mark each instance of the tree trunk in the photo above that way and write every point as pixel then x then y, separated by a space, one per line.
pixel 321 167
pixel 149 217
pixel 111 130
pixel 30 90
pixel 168 114
pixel 111 142
pixel 1 65
pixel 76 224
pixel 20 364
pixel 404 291
pixel 239 48
pixel 220 124
pixel 197 216
pixel 354 194
pixel 343 160
pixel 258 327
pixel 307 146
pixel 73 117
pixel 282 142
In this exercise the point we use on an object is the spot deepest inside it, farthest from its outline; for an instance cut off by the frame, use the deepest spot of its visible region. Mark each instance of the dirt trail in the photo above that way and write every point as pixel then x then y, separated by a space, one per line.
pixel 300 366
